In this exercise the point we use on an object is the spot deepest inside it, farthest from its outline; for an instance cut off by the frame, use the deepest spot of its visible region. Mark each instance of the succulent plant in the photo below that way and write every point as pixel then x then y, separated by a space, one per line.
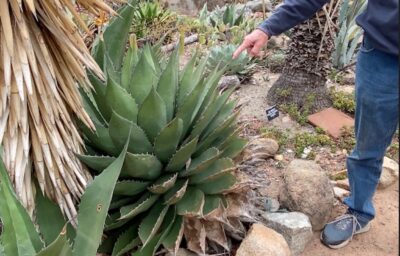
pixel 20 236
pixel 228 15
pixel 182 138
pixel 222 55
pixel 347 39
pixel 151 20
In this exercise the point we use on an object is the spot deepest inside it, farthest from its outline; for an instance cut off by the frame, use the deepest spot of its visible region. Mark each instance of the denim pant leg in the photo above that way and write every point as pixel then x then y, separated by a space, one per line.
pixel 376 120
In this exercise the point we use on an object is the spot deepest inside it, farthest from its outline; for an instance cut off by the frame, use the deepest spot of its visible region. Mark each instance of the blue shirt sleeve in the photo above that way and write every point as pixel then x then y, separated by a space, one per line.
pixel 290 14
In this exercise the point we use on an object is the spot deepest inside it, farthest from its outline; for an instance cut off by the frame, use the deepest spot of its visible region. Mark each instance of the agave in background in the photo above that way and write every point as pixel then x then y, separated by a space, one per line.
pixel 228 15
pixel 222 55
pixel 348 38
pixel 42 57
pixel 182 141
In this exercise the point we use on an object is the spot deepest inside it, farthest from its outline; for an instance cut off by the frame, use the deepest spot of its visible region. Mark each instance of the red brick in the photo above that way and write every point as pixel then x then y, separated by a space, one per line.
pixel 331 121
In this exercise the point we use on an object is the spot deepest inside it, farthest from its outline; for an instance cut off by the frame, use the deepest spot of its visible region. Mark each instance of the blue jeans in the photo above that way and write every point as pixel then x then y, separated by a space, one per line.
pixel 376 120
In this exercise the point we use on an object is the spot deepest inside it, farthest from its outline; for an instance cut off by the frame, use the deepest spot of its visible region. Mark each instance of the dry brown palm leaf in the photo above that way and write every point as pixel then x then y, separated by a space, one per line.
pixel 42 59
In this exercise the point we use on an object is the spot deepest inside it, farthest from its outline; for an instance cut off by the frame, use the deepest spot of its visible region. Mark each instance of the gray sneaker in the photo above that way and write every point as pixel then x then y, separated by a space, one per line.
pixel 338 233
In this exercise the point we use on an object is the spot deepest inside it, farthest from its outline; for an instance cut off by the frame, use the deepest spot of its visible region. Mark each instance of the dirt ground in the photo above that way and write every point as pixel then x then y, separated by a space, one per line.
pixel 381 240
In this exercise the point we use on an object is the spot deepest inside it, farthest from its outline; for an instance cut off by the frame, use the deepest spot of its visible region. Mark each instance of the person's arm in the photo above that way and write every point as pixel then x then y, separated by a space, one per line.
pixel 288 15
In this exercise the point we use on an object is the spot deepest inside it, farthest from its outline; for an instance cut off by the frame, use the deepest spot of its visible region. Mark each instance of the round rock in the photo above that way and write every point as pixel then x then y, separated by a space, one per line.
pixel 307 189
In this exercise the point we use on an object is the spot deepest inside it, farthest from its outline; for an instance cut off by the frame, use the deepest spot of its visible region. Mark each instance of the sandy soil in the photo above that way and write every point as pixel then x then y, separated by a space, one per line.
pixel 381 240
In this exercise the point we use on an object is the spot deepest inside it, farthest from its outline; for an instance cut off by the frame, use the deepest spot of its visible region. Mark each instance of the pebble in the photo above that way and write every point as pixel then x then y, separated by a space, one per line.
pixel 279 158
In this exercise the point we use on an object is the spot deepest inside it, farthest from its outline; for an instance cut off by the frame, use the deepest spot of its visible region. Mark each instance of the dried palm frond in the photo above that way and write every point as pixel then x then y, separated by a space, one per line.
pixel 42 57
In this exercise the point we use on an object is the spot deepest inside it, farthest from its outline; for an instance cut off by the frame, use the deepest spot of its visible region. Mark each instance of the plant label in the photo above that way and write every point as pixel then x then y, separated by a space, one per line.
pixel 272 113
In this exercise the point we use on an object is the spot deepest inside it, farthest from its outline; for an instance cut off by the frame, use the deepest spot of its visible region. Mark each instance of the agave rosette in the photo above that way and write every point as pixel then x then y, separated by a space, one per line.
pixel 222 55
pixel 183 136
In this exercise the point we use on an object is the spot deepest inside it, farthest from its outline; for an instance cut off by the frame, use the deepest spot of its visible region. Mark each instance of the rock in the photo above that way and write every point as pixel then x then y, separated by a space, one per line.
pixel 294 226
pixel 279 158
pixel 263 241
pixel 261 148
pixel 306 152
pixel 307 189
pixel 271 204
pixel 349 78
pixel 182 252
pixel 343 184
pixel 390 173
pixel 228 82
pixel 257 5
pixel 340 193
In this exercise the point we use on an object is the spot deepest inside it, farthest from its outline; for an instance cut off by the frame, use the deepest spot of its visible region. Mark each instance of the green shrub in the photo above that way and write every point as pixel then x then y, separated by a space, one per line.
pixel 343 101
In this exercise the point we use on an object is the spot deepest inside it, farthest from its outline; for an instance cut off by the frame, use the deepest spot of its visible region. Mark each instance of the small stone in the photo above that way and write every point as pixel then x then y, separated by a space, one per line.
pixel 279 158
pixel 307 189
pixel 333 182
pixel 286 119
pixel 271 204
pixel 294 226
pixel 228 82
pixel 257 5
pixel 182 252
pixel 390 173
pixel 349 78
pixel 263 146
pixel 262 241
pixel 343 184
pixel 340 193
pixel 306 152
pixel 344 152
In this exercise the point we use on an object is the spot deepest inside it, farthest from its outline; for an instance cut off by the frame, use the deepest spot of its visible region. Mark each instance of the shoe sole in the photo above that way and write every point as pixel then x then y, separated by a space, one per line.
pixel 343 244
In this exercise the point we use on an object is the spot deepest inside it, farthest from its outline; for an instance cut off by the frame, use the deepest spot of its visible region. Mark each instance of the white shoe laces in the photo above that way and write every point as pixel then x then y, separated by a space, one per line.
pixel 345 220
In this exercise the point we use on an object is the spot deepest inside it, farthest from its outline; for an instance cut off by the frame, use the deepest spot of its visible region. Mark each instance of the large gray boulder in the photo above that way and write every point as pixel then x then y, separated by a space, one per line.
pixel 294 226
pixel 307 189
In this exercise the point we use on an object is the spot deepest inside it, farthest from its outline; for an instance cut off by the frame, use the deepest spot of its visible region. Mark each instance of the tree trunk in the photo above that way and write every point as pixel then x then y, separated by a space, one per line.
pixel 307 63
pixel 304 90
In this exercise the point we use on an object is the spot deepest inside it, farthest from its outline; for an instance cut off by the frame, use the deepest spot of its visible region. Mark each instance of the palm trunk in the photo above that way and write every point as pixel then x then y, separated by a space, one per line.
pixel 303 79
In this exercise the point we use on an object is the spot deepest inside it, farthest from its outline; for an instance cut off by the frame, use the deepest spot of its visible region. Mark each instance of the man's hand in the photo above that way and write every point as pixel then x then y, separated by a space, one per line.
pixel 252 43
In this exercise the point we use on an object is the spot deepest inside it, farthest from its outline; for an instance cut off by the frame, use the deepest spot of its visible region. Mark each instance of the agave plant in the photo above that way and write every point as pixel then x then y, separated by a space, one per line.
pixel 182 141
pixel 222 55
pixel 19 236
pixel 228 15
pixel 151 11
pixel 152 20
pixel 348 38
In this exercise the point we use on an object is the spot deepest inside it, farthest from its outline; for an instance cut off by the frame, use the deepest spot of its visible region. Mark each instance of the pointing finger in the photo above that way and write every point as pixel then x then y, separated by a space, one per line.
pixel 241 48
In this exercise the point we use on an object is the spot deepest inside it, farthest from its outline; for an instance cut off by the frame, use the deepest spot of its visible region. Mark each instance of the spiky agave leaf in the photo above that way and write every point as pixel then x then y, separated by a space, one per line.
pixel 183 139
pixel 19 236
